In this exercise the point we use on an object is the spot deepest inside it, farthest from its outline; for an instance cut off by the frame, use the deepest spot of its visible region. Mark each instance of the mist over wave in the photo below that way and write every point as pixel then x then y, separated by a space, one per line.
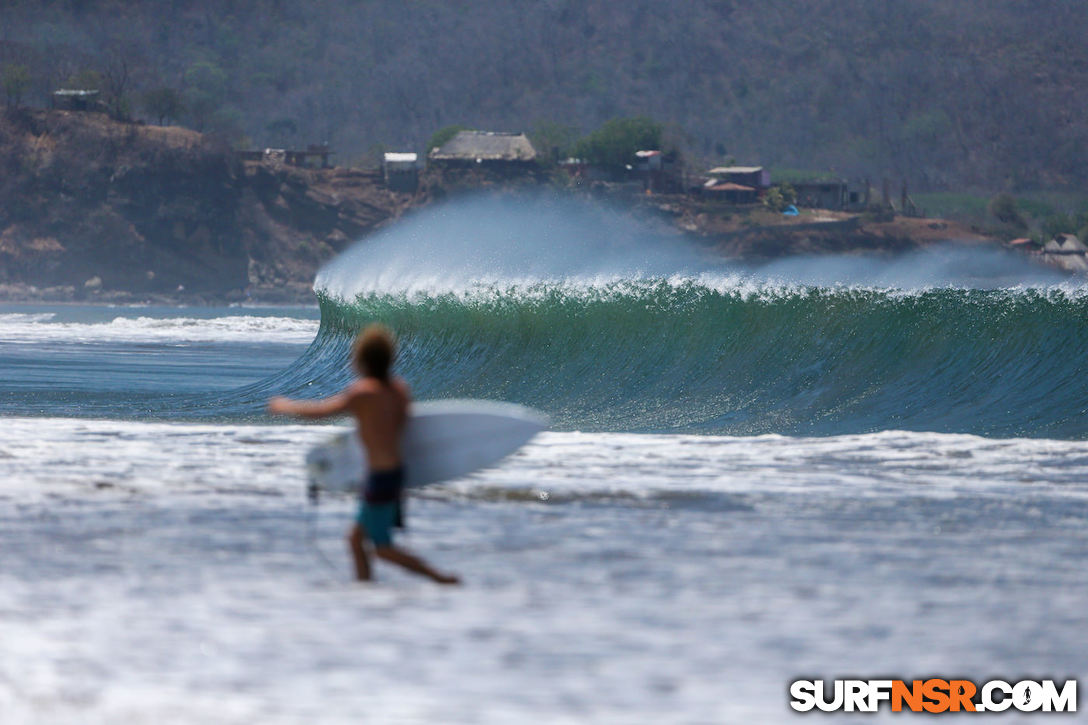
pixel 486 242
pixel 490 240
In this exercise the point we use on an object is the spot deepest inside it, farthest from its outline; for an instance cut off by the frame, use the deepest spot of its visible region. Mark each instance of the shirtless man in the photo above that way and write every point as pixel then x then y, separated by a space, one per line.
pixel 379 403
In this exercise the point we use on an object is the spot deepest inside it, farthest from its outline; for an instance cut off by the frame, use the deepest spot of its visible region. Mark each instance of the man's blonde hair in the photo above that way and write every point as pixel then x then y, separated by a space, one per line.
pixel 374 351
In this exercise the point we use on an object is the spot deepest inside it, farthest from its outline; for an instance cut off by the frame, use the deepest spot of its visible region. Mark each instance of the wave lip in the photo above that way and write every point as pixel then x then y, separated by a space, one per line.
pixel 495 240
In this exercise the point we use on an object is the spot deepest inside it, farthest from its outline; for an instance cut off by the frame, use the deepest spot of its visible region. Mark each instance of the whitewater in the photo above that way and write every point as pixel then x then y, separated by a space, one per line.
pixel 842 467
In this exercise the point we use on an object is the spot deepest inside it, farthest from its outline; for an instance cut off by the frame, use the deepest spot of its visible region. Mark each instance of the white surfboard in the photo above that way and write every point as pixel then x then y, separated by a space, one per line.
pixel 442 440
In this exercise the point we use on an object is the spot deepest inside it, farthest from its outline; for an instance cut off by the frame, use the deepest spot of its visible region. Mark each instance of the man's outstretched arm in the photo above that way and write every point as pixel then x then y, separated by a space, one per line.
pixel 334 405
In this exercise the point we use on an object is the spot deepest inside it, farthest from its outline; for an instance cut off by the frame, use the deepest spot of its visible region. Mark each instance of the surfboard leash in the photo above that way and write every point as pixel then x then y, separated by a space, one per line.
pixel 313 494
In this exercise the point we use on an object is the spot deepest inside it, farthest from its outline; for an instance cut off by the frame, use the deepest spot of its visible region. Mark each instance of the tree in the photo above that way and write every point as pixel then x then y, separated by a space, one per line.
pixel 1082 234
pixel 442 135
pixel 116 82
pixel 1059 223
pixel 205 90
pixel 15 80
pixel 550 138
pixel 86 80
pixel 163 103
pixel 780 197
pixel 1003 208
pixel 615 143
pixel 281 129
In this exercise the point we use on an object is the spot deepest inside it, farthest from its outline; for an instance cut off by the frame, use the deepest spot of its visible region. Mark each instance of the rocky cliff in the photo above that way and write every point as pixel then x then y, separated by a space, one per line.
pixel 94 208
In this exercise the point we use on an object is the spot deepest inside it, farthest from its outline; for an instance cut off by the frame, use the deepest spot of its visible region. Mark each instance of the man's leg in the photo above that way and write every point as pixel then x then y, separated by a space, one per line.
pixel 356 537
pixel 413 563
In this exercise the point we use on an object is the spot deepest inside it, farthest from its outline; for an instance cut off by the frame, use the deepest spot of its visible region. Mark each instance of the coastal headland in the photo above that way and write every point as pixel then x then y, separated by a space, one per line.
pixel 95 209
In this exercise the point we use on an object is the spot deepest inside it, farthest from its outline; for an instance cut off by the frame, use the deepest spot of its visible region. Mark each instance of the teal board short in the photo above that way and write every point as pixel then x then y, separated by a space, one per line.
pixel 378 519
pixel 380 505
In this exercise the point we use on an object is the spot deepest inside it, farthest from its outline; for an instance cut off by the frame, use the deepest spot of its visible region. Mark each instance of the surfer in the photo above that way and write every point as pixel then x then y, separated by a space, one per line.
pixel 379 403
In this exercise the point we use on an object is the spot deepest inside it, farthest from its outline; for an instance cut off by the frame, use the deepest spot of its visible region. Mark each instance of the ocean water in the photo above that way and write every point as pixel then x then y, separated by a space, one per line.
pixel 815 469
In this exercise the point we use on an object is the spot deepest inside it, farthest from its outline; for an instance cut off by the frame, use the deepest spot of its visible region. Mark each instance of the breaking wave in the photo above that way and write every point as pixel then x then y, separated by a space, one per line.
pixel 682 355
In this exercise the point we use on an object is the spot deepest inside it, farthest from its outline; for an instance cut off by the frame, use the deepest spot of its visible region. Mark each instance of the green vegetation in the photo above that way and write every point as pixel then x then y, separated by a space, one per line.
pixel 1039 215
pixel 442 135
pixel 1046 203
pixel 551 139
pixel 163 104
pixel 282 131
pixel 1065 224
pixel 205 92
pixel 1003 208
pixel 795 176
pixel 1049 213
pixel 780 197
pixel 87 79
pixel 615 143
pixel 967 208
pixel 1038 208
pixel 15 80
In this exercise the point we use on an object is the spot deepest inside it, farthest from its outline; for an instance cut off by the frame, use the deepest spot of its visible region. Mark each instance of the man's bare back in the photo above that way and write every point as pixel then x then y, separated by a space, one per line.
pixel 380 411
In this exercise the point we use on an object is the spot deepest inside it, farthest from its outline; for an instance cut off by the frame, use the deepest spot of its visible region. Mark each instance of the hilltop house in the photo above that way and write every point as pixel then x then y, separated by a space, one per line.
pixel 490 148
pixel 1066 252
pixel 401 170
pixel 1065 244
pixel 659 172
pixel 826 193
pixel 737 184
pixel 76 99
pixel 291 157
pixel 755 177
pixel 730 192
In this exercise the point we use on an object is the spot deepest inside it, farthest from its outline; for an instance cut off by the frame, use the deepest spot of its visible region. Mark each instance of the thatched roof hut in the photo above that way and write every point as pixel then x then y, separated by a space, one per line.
pixel 1065 244
pixel 485 146
pixel 1072 245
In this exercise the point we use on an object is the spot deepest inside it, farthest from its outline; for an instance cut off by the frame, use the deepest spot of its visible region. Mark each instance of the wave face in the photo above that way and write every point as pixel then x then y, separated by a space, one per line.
pixel 685 355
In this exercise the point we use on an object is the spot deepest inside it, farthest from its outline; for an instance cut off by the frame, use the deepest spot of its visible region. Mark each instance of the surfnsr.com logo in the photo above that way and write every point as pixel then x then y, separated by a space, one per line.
pixel 933 696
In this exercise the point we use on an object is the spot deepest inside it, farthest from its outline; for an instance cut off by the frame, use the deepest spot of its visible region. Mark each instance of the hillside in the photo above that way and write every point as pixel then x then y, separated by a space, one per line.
pixel 945 95
pixel 90 206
